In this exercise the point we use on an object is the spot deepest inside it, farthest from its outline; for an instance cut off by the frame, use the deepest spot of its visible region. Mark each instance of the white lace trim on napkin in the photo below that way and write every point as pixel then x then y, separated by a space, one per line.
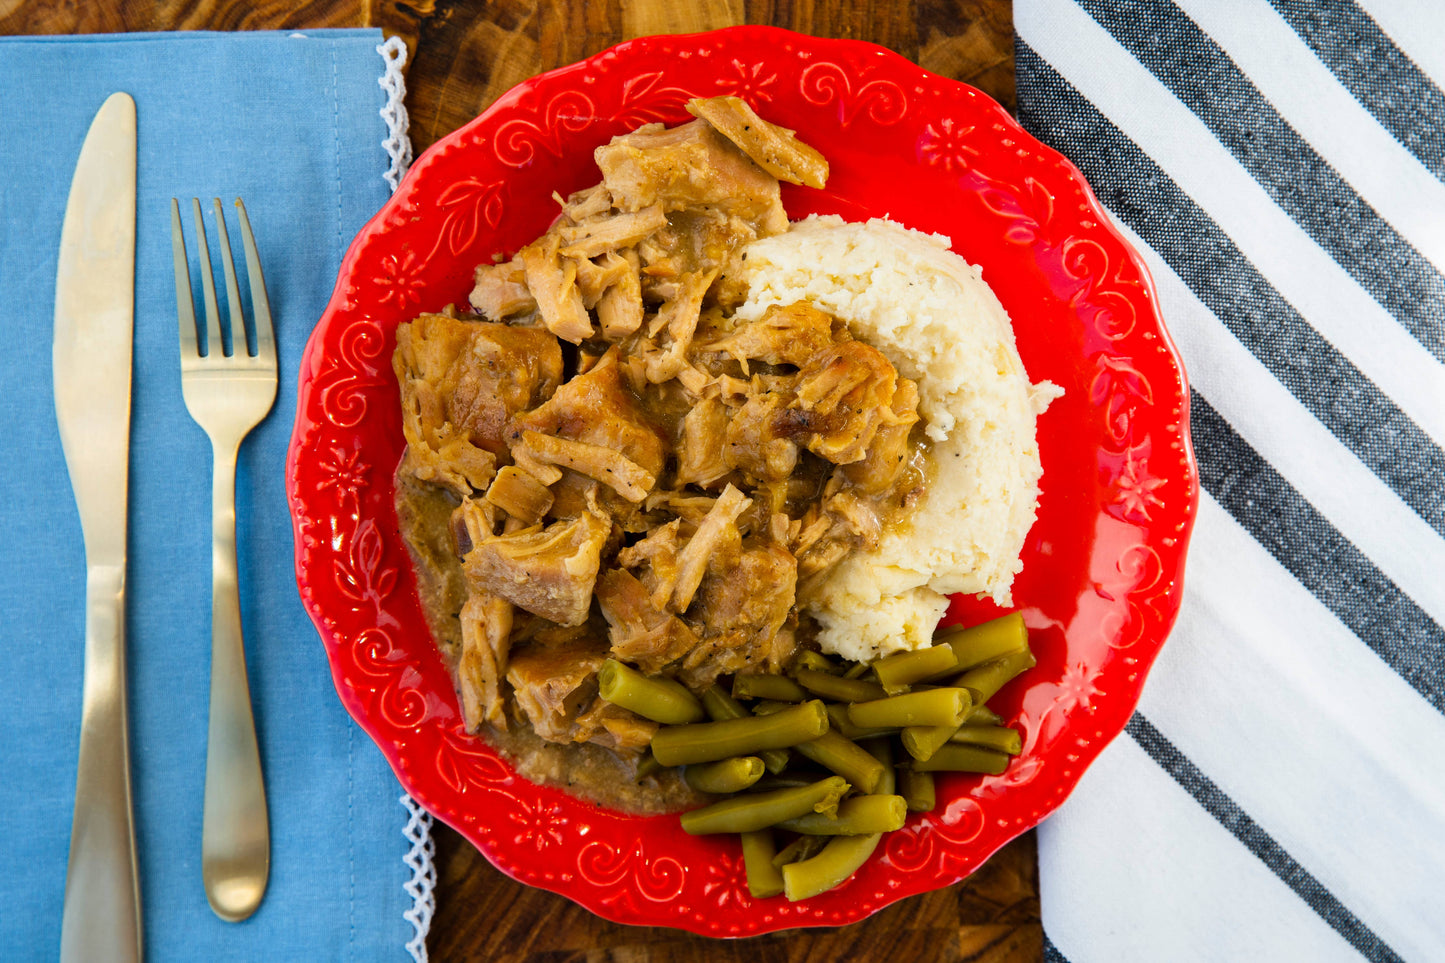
pixel 423 877
pixel 398 124
pixel 421 857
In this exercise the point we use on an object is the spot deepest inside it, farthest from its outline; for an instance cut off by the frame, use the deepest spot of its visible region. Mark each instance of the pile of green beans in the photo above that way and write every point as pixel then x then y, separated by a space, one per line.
pixel 835 753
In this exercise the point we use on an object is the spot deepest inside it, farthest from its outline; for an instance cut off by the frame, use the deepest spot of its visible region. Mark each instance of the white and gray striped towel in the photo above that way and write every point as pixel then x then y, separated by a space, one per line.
pixel 1280 164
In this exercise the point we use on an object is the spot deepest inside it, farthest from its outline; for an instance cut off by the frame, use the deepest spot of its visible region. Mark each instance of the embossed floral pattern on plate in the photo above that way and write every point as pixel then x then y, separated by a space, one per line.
pixel 1103 564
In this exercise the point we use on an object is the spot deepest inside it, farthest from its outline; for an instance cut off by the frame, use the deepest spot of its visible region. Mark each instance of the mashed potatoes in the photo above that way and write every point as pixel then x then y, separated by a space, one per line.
pixel 932 315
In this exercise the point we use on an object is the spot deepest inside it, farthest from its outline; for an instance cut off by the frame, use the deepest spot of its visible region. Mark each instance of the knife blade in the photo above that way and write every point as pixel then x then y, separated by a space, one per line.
pixel 94 330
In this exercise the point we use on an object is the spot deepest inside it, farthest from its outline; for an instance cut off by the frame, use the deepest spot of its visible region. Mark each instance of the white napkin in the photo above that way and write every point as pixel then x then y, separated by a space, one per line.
pixel 1281 167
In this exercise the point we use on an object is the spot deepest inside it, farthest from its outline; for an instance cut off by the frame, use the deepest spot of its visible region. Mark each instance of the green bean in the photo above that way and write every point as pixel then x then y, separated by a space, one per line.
pixel 980 643
pixel 900 670
pixel 857 670
pixel 923 741
pixel 647 765
pixel 764 880
pixel 986 679
pixel 882 750
pixel 710 741
pixel 1002 738
pixel 837 688
pixel 931 707
pixel 838 719
pixel 817 661
pixel 804 847
pixel 724 776
pixel 838 860
pixel 832 751
pixel 959 757
pixel 917 790
pixel 720 706
pixel 778 687
pixel 753 811
pixel 857 815
pixel 661 700
pixel 788 780
pixel 982 716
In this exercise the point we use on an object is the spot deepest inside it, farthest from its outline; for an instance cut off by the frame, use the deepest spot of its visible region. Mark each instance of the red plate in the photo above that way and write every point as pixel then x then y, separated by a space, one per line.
pixel 1103 564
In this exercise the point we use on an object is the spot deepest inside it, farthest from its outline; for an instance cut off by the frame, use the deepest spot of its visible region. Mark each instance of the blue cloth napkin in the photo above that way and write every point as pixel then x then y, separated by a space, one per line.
pixel 1279 165
pixel 290 123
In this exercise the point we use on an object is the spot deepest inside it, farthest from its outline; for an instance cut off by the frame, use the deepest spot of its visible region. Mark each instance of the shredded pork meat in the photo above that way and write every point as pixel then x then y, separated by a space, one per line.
pixel 669 500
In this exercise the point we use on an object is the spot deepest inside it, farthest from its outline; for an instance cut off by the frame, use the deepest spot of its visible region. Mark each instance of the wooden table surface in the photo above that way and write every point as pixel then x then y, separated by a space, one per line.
pixel 463 55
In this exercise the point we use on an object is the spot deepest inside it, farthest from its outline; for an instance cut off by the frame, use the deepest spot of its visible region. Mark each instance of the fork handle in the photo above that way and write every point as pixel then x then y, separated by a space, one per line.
pixel 235 833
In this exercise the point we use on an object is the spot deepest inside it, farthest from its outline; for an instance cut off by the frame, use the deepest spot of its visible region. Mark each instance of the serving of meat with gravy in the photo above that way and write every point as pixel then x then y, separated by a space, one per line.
pixel 602 462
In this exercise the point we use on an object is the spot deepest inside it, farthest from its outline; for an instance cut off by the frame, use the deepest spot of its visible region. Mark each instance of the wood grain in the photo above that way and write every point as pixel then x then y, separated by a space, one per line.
pixel 466 55
pixel 463 55
pixel 992 917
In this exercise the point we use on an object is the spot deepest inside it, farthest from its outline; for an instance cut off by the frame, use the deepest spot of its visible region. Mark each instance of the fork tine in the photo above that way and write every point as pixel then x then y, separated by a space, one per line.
pixel 240 343
pixel 215 347
pixel 185 301
pixel 260 305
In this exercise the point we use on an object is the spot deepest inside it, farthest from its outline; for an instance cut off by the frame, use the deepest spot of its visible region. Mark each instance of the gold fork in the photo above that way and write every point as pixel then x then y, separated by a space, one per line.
pixel 228 394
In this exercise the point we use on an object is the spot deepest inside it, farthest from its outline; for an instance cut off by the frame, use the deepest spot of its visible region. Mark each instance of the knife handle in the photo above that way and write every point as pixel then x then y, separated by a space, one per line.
pixel 236 833
pixel 102 918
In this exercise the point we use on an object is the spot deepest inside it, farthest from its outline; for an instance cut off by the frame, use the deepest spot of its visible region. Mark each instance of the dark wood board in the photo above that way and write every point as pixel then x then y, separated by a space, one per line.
pixel 463 55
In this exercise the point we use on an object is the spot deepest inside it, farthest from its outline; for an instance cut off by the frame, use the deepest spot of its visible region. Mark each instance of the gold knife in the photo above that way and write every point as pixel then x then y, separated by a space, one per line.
pixel 94 328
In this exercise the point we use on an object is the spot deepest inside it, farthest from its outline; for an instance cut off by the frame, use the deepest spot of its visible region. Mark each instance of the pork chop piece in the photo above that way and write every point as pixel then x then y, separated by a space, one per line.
pixel 600 409
pixel 553 684
pixel 549 571
pixel 555 689
pixel 889 455
pixel 845 394
pixel 740 612
pixel 775 149
pixel 500 291
pixel 785 334
pixel 760 436
pixel 689 166
pixel 552 280
pixel 700 445
pixel 716 530
pixel 598 462
pixel 446 460
pixel 615 728
pixel 693 241
pixel 519 495
pixel 486 631
pixel 640 632
pixel 474 374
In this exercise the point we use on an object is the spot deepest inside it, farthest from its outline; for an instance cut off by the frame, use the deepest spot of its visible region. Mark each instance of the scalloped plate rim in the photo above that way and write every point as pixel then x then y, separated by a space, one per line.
pixel 1121 706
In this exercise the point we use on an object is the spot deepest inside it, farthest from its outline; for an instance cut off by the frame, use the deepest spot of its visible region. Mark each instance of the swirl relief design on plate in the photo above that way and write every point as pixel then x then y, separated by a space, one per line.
pixel 1101 301
pixel 935 148
pixel 936 837
pixel 658 879
pixel 825 83
pixel 518 140
pixel 1121 390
